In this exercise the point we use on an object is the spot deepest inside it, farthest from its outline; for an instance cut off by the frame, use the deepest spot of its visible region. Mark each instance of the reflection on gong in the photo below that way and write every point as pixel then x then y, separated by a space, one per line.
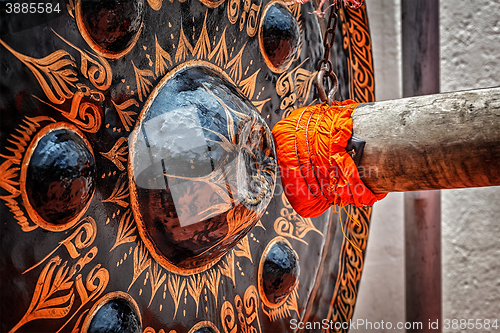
pixel 201 169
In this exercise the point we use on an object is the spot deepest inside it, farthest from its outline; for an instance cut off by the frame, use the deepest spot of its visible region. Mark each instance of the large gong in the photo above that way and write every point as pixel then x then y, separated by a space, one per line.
pixel 139 189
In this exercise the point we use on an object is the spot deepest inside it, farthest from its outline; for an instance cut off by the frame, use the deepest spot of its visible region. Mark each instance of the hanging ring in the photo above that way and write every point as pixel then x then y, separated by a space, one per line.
pixel 334 83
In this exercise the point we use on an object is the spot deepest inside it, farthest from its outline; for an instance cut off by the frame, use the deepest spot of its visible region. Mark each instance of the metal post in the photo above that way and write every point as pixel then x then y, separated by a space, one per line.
pixel 420 46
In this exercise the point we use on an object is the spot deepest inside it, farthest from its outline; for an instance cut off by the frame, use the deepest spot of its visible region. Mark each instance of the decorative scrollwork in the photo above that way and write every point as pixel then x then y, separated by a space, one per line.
pixel 235 67
pixel 143 84
pixel 228 318
pixel 126 230
pixel 97 71
pixel 350 266
pixel 141 262
pixel 357 43
pixel 156 279
pixel 176 286
pixel 9 173
pixel 117 155
pixel 242 249
pixel 44 304
pixel 233 10
pixel 292 225
pixel 247 313
pixel 56 69
pixel 253 19
pixel 56 291
pixel 248 85
pixel 251 302
pixel 194 287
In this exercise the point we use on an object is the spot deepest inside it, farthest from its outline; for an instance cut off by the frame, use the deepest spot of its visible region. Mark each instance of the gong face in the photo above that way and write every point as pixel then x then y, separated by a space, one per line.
pixel 139 189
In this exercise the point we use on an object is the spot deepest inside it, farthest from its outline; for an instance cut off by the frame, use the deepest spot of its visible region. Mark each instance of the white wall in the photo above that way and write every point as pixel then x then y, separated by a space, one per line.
pixel 470 58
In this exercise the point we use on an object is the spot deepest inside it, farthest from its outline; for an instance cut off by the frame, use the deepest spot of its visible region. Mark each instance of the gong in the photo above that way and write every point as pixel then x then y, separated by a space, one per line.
pixel 139 189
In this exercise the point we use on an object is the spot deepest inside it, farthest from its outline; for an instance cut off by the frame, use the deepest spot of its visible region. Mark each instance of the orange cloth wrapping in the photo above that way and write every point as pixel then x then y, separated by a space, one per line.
pixel 316 171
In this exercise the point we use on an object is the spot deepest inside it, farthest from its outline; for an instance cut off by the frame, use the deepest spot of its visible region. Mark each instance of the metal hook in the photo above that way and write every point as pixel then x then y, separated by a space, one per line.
pixel 334 83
